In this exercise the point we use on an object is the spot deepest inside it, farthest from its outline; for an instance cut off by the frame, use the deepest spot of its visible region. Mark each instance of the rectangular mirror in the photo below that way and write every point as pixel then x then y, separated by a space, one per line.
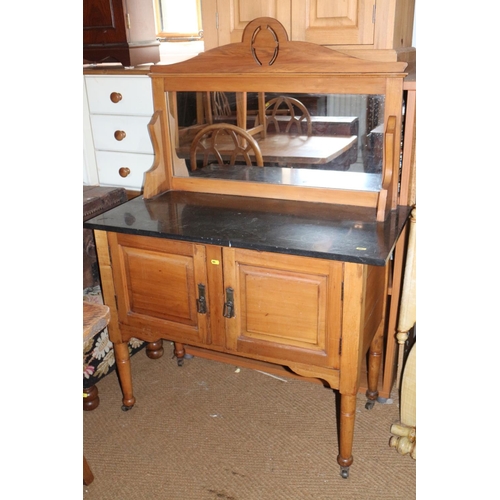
pixel 272 118
pixel 306 139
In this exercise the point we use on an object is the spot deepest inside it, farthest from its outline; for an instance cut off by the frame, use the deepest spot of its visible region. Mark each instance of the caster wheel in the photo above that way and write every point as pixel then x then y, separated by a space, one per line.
pixel 344 472
pixel 126 408
pixel 369 405
pixel 180 362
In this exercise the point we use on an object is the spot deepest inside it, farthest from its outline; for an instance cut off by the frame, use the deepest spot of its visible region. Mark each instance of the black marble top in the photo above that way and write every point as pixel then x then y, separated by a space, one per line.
pixel 320 230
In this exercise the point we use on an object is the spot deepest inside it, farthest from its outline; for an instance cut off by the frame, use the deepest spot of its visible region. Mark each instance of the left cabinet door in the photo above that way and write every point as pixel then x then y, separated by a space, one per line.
pixel 159 286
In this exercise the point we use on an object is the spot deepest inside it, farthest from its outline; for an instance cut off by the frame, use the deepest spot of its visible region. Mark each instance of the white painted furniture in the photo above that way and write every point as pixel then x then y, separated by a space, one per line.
pixel 117 146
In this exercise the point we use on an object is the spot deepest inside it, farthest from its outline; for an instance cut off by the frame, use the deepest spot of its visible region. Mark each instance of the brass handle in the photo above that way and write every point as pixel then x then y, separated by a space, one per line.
pixel 124 171
pixel 201 302
pixel 229 304
pixel 115 97
pixel 120 135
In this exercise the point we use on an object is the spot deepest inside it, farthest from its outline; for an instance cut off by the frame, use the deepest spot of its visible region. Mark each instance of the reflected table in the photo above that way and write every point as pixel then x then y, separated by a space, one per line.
pixel 295 150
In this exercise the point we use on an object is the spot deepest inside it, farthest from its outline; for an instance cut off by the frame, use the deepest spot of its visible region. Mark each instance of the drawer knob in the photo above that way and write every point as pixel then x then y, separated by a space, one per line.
pixel 115 97
pixel 124 171
pixel 120 135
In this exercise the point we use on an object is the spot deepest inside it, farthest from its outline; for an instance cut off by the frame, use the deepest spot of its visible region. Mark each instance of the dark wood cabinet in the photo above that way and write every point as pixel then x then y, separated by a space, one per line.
pixel 119 31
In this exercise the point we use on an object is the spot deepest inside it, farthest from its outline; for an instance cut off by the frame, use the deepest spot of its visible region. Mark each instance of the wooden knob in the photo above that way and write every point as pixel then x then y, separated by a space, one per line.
pixel 124 171
pixel 115 97
pixel 120 135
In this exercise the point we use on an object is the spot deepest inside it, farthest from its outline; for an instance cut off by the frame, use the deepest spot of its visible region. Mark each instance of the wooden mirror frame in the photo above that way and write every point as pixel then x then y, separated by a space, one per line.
pixel 266 61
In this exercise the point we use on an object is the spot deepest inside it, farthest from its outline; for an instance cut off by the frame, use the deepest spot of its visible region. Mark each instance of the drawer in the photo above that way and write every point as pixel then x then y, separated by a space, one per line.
pixel 109 165
pixel 130 95
pixel 121 133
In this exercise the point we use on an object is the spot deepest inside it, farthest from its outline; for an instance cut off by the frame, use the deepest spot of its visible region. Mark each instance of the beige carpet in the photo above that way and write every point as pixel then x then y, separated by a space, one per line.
pixel 208 431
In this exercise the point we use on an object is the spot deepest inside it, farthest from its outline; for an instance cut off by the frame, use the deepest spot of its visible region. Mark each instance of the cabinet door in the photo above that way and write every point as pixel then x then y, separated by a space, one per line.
pixel 234 15
pixel 286 308
pixel 333 22
pixel 157 283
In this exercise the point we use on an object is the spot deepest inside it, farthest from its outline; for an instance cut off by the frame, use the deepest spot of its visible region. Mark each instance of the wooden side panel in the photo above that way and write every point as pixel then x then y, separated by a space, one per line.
pixel 107 284
pixel 157 287
pixel 353 317
pixel 375 299
pixel 287 308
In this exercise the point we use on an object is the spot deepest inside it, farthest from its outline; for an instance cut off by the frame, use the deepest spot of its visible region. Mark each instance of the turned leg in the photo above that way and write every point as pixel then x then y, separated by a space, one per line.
pixel 122 359
pixel 347 417
pixel 374 364
pixel 88 477
pixel 154 350
pixel 90 398
pixel 179 353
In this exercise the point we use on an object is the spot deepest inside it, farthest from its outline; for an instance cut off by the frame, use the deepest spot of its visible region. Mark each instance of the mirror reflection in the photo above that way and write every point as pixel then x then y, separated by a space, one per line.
pixel 285 138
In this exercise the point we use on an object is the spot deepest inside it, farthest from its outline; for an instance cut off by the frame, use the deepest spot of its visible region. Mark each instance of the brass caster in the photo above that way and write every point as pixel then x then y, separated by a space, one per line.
pixel 369 405
pixel 344 472
pixel 126 408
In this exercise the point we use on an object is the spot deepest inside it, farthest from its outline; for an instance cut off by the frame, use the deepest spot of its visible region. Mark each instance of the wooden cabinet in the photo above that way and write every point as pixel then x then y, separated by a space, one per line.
pixel 375 29
pixel 119 31
pixel 120 107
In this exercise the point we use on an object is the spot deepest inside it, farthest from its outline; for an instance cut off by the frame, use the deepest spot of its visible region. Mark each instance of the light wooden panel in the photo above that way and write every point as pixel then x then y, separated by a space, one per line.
pixel 329 22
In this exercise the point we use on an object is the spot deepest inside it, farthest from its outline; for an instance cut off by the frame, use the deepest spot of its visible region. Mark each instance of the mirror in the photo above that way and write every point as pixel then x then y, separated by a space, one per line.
pixel 318 140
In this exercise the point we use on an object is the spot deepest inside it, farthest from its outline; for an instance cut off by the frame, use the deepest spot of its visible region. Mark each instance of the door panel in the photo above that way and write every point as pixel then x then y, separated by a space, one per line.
pixel 234 15
pixel 157 286
pixel 287 308
pixel 333 22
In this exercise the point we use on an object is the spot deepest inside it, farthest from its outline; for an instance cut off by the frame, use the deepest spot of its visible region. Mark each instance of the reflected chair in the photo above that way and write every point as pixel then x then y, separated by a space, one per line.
pixel 224 144
pixel 285 114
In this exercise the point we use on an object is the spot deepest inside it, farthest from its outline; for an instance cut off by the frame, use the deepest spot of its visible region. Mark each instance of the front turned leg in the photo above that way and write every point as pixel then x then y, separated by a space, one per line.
pixel 347 417
pixel 122 359
pixel 374 364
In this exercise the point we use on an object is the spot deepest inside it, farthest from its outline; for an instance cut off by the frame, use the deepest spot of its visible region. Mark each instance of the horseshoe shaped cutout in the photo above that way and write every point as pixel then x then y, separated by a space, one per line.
pixel 263 44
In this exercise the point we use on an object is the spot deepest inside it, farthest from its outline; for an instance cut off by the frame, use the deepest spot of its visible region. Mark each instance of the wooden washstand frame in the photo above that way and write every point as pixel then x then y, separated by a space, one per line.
pixel 266 61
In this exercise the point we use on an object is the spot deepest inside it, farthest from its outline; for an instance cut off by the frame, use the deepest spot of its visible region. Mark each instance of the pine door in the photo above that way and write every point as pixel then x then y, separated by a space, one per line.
pixel 161 287
pixel 284 308
pixel 231 17
pixel 333 22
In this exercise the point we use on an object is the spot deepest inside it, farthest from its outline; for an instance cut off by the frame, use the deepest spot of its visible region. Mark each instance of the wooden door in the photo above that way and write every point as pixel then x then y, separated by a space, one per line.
pixel 228 18
pixel 159 284
pixel 286 308
pixel 333 22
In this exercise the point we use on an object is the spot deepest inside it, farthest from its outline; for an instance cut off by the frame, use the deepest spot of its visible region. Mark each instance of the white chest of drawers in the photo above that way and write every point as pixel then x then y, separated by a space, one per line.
pixel 119 110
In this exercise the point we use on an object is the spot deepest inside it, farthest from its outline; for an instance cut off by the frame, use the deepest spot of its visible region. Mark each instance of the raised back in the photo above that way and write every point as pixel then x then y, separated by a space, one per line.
pixel 267 62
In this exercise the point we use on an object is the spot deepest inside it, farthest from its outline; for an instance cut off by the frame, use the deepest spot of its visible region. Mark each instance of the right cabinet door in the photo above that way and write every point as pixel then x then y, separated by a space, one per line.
pixel 333 22
pixel 285 308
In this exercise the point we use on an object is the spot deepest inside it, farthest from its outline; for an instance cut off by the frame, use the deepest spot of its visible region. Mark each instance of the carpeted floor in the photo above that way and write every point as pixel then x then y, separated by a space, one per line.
pixel 209 430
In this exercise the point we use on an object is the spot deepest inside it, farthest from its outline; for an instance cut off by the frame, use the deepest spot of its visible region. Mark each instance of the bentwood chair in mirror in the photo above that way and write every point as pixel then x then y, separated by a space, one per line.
pixel 286 114
pixel 224 144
